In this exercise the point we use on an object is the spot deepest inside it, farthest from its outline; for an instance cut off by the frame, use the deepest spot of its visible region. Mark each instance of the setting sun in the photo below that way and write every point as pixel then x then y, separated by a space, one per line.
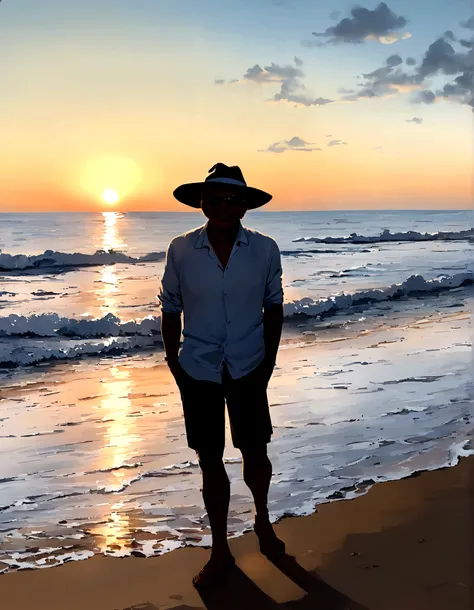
pixel 111 178
pixel 110 196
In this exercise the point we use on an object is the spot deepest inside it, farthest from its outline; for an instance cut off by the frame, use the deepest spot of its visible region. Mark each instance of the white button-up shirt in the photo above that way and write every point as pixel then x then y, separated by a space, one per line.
pixel 223 307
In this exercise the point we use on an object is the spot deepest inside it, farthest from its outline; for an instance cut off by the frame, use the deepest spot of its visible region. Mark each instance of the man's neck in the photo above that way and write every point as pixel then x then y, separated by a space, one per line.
pixel 223 235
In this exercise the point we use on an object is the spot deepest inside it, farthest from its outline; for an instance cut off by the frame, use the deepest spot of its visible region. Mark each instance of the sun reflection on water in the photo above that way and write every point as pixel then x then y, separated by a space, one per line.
pixel 108 290
pixel 120 438
pixel 120 445
pixel 109 278
pixel 110 237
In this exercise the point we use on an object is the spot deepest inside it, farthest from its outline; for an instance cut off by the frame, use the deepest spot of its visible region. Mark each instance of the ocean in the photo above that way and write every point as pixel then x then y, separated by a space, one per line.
pixel 373 380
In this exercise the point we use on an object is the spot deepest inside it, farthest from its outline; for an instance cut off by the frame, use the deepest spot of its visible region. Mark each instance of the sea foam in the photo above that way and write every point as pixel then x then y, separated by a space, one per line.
pixel 415 285
pixel 64 260
pixel 388 236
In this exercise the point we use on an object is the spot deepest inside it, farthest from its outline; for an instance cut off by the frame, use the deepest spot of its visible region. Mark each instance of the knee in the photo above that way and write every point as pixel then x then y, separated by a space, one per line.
pixel 210 462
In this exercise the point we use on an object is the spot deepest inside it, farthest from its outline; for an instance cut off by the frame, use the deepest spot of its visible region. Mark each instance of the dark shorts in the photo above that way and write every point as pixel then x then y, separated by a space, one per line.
pixel 204 410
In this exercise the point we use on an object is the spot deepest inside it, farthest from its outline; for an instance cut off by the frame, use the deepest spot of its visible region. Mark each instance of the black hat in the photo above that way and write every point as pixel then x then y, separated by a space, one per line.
pixel 220 174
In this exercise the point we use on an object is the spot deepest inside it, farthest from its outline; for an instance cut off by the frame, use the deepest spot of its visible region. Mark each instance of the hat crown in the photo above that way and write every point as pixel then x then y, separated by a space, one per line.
pixel 220 170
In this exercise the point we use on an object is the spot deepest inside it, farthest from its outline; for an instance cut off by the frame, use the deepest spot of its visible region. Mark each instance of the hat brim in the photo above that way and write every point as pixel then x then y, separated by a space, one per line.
pixel 190 194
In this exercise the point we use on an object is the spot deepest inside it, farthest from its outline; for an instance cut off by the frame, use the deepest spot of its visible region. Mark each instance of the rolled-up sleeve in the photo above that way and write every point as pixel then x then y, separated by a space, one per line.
pixel 169 294
pixel 274 287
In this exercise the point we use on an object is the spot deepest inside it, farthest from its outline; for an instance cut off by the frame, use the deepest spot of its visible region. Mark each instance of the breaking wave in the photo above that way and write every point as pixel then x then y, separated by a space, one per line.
pixel 415 285
pixel 58 261
pixel 62 261
pixel 27 340
pixel 53 325
pixel 387 236
pixel 49 261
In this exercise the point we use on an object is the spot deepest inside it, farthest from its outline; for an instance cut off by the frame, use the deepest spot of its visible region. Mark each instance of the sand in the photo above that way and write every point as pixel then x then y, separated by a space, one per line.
pixel 405 544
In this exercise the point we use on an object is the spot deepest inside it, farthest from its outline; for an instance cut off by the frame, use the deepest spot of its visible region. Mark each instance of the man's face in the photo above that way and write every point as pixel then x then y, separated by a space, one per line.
pixel 224 207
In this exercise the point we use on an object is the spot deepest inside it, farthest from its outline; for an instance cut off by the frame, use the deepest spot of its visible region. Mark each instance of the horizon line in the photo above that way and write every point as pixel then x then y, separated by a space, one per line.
pixel 255 210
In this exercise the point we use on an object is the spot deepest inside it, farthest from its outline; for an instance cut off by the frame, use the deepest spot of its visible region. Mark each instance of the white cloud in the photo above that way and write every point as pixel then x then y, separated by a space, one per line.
pixel 295 144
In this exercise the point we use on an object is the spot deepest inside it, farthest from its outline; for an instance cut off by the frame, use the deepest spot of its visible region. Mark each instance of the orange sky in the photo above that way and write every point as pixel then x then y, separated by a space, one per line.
pixel 84 112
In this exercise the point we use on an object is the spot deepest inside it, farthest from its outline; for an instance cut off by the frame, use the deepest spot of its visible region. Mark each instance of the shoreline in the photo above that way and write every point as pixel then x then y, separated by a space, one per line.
pixel 299 330
pixel 402 544
pixel 124 480
pixel 359 318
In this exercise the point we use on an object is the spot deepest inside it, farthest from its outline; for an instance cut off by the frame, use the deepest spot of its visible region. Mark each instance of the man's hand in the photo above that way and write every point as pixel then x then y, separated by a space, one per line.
pixel 170 334
pixel 267 369
pixel 175 369
pixel 272 327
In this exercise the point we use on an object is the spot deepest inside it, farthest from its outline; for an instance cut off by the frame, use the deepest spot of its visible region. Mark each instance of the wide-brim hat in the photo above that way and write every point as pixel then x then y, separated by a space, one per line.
pixel 221 176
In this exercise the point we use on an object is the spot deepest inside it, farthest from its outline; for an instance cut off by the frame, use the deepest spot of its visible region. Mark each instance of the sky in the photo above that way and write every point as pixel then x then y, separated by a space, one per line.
pixel 325 104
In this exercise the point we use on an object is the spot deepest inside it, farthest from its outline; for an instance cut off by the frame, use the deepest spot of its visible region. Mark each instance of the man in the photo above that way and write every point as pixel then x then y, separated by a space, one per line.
pixel 227 280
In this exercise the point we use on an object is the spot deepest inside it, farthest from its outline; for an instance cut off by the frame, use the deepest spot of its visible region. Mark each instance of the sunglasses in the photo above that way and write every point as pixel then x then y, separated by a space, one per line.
pixel 229 200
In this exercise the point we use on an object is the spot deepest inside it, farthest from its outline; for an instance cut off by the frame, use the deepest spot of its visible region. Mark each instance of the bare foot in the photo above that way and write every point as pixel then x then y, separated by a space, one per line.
pixel 215 570
pixel 270 545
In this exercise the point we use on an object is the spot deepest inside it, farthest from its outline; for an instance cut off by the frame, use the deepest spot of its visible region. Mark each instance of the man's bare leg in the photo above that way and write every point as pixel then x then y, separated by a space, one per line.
pixel 257 472
pixel 216 495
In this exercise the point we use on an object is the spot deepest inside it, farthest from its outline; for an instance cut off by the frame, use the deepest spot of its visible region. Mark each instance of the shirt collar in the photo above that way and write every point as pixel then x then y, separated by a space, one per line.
pixel 202 240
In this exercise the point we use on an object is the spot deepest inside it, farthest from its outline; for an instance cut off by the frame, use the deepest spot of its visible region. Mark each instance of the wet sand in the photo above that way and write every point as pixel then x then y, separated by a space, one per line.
pixel 404 544
pixel 94 458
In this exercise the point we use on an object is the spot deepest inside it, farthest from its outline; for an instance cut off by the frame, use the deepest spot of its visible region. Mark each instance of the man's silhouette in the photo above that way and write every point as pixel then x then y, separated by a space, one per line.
pixel 227 280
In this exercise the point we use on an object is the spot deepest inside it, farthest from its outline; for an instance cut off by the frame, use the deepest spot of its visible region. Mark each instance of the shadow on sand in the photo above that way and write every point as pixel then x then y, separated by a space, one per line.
pixel 240 592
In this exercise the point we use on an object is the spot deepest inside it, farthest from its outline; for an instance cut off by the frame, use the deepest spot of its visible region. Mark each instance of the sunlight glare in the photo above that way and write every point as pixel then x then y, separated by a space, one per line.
pixel 110 196
pixel 121 172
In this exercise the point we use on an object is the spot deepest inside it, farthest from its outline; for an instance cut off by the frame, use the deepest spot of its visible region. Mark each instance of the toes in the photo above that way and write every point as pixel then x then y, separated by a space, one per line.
pixel 213 573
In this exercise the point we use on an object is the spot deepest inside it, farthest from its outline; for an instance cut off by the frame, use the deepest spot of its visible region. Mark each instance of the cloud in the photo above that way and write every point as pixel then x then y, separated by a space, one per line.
pixel 415 119
pixel 387 80
pixel 469 24
pixel 365 24
pixel 391 38
pixel 343 90
pixel 272 73
pixel 219 81
pixel 426 97
pixel 460 89
pixel 294 144
pixel 288 93
pixel 335 15
pixel 394 60
pixel 292 90
pixel 337 143
pixel 442 58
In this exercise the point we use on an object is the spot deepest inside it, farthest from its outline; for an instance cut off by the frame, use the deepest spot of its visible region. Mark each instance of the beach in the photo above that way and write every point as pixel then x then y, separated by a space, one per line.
pixel 293 166
pixel 109 471
pixel 405 544
pixel 373 383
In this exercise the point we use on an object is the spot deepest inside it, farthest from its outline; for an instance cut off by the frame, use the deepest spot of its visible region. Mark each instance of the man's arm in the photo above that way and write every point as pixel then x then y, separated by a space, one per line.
pixel 273 306
pixel 171 335
pixel 272 327
pixel 171 307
